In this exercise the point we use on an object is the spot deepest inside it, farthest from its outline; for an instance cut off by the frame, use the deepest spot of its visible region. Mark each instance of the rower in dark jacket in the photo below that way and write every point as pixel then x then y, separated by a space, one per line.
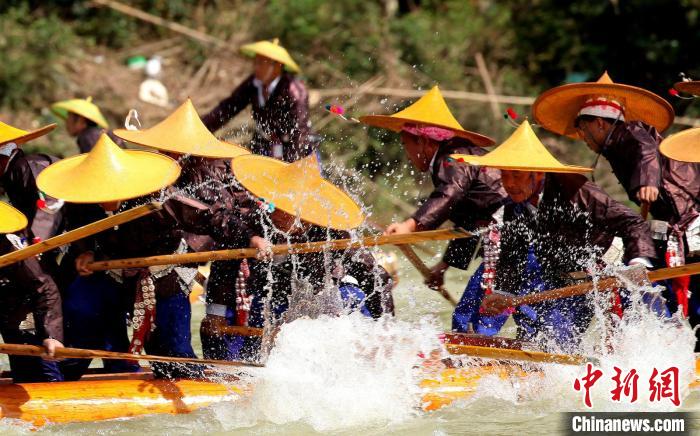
pixel 297 205
pixel 464 195
pixel 279 102
pixel 84 121
pixel 622 123
pixel 25 289
pixel 555 222
pixel 206 177
pixel 162 312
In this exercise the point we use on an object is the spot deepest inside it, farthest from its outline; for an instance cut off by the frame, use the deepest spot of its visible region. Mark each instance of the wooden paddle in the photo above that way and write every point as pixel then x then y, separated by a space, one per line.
pixel 520 355
pixel 79 353
pixel 307 247
pixel 604 284
pixel 424 270
pixel 79 233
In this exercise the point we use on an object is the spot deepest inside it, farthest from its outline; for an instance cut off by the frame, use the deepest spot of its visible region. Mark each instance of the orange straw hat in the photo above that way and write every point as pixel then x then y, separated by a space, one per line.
pixel 429 110
pixel 688 86
pixel 523 151
pixel 183 132
pixel 298 189
pixel 557 109
pixel 19 136
pixel 11 220
pixel 271 50
pixel 107 173
pixel 683 146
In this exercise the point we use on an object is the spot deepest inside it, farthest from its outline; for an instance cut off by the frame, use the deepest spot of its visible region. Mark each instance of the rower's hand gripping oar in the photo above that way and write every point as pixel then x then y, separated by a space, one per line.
pixel 602 285
pixel 79 233
pixel 307 247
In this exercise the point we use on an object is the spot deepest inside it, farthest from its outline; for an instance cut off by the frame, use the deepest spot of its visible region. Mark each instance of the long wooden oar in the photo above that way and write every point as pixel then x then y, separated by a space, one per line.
pixel 79 353
pixel 424 270
pixel 307 247
pixel 520 355
pixel 604 284
pixel 79 233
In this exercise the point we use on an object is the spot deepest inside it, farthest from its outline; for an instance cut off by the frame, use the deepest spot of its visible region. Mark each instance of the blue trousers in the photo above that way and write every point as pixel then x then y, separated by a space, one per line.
pixel 26 369
pixel 562 320
pixel 94 314
pixel 173 337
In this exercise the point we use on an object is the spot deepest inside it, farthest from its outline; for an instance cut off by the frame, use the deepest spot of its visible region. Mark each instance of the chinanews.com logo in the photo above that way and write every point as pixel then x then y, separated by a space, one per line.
pixel 623 423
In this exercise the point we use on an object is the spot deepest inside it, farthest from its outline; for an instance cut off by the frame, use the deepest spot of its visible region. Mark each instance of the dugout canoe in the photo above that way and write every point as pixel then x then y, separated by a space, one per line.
pixel 106 397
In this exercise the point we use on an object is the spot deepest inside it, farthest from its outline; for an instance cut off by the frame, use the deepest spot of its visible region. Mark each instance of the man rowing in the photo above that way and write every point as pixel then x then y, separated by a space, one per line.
pixel 555 222
pixel 297 205
pixel 118 180
pixel 25 289
pixel 206 177
pixel 464 195
pixel 279 102
pixel 622 123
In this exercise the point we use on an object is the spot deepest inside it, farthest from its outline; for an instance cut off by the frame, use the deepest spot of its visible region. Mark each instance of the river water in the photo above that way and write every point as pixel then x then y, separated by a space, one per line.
pixel 349 375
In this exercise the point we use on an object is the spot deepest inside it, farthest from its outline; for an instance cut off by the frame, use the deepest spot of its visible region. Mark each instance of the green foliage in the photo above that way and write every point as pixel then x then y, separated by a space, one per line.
pixel 30 46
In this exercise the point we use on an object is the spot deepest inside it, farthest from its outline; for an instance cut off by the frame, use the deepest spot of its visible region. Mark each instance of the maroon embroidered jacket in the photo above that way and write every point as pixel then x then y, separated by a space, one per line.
pixel 283 119
pixel 464 194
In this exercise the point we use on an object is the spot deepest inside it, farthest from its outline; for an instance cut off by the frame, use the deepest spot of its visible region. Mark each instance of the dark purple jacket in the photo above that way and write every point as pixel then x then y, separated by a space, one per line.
pixel 19 182
pixel 464 194
pixel 284 119
pixel 88 137
pixel 575 223
pixel 633 153
pixel 25 288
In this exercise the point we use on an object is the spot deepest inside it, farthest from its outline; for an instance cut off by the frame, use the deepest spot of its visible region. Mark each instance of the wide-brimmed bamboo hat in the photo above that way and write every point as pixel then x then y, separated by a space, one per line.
pixel 683 146
pixel 19 136
pixel 429 110
pixel 689 87
pixel 108 173
pixel 80 106
pixel 522 151
pixel 273 50
pixel 11 220
pixel 557 109
pixel 183 132
pixel 298 189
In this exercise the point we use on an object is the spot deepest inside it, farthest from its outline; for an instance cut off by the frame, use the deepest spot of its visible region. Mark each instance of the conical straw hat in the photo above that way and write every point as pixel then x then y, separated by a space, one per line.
pixel 182 132
pixel 298 189
pixel 556 109
pixel 108 173
pixel 273 50
pixel 80 106
pixel 431 110
pixel 19 136
pixel 523 151
pixel 689 87
pixel 11 220
pixel 683 146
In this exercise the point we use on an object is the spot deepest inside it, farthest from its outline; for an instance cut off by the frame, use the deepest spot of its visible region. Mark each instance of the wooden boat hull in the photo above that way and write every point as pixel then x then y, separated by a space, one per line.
pixel 80 401
pixel 96 399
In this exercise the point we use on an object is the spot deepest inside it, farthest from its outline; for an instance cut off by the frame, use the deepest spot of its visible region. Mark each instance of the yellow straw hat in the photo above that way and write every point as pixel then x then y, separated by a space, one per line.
pixel 688 87
pixel 273 50
pixel 11 220
pixel 523 151
pixel 80 106
pixel 108 173
pixel 19 136
pixel 557 109
pixel 183 132
pixel 683 146
pixel 430 110
pixel 298 189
